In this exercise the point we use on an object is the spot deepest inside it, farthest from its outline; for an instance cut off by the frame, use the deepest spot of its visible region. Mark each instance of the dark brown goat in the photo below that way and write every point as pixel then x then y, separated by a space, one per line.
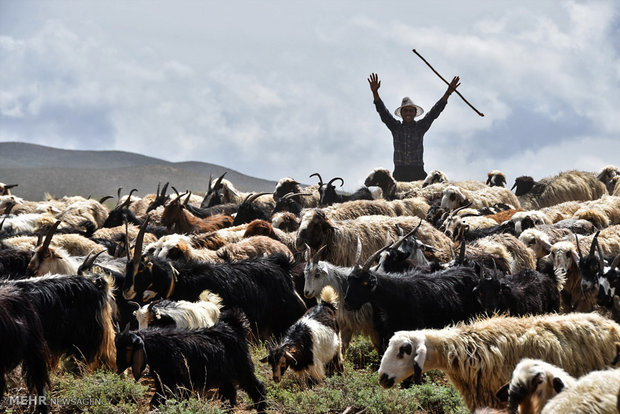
pixel 177 219
pixel 260 228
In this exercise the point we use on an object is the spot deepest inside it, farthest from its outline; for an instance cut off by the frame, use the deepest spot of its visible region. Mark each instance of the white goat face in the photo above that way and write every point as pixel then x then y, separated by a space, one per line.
pixel 452 198
pixel 314 276
pixel 405 354
pixel 564 257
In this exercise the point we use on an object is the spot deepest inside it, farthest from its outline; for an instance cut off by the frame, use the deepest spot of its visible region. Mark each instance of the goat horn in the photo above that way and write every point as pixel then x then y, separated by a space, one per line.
pixel 8 209
pixel 616 262
pixel 291 195
pixel 358 254
pixel 48 237
pixel 373 257
pixel 594 241
pixel 128 200
pixel 137 251
pixel 158 185
pixel 164 189
pixel 187 199
pixel 209 189
pixel 600 252
pixel 578 249
pixel 253 197
pixel 178 195
pixel 103 199
pixel 134 304
pixel 318 175
pixel 315 258
pixel 88 261
pixel 155 302
pixel 8 186
pixel 118 194
pixel 175 190
pixel 403 238
pixel 218 183
pixel 461 253
pixel 334 179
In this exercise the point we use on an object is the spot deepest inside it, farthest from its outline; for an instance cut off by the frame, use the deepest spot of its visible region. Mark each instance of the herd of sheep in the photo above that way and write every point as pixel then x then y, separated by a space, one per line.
pixel 510 294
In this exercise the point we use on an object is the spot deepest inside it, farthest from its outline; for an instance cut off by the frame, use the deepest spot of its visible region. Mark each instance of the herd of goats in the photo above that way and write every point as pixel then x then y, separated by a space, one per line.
pixel 510 294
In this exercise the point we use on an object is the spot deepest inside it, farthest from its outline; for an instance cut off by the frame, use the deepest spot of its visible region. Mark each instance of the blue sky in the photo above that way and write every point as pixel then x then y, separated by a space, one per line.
pixel 274 89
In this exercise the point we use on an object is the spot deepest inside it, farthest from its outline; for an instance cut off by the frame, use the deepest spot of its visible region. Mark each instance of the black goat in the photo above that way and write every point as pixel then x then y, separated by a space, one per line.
pixel 76 315
pixel 213 196
pixel 14 263
pixel 261 287
pixel 249 210
pixel 22 342
pixel 414 300
pixel 200 359
pixel 519 294
pixel 329 196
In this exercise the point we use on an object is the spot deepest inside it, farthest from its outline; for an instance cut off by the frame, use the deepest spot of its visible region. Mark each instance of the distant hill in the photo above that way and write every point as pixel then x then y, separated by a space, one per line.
pixel 39 169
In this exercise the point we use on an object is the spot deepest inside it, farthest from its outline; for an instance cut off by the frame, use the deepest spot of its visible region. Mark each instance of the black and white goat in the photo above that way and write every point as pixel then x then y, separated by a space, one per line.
pixel 22 342
pixel 329 196
pixel 311 346
pixel 199 359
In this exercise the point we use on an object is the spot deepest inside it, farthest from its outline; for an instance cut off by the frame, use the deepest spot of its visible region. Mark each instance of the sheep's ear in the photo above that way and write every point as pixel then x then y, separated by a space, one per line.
pixel 558 385
pixel 138 362
pixel 502 393
pixel 418 362
pixel 405 349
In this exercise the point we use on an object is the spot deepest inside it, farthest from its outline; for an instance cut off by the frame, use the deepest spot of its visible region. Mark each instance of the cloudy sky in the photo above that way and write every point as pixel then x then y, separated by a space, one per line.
pixel 279 88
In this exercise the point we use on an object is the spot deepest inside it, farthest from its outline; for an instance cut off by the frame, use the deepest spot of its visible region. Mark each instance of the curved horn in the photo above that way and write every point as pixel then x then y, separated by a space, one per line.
pixel 158 185
pixel 178 196
pixel 578 249
pixel 137 251
pixel 218 183
pixel 600 255
pixel 118 194
pixel 48 237
pixel 594 242
pixel 8 209
pixel 164 189
pixel 318 175
pixel 9 186
pixel 373 257
pixel 187 199
pixel 315 258
pixel 155 302
pixel 403 238
pixel 291 195
pixel 252 197
pixel 104 199
pixel 334 179
pixel 89 261
pixel 616 262
pixel 128 200
pixel 175 190
pixel 133 304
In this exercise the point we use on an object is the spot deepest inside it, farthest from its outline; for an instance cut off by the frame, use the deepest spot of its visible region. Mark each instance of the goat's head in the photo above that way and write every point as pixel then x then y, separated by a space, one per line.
pixel 361 281
pixel 537 241
pixel 130 352
pixel 523 185
pixel 121 213
pixel 285 221
pixel 249 211
pixel 5 189
pixel 314 230
pixel 435 177
pixel 315 274
pixel 496 178
pixel 565 258
pixel 452 198
pixel 591 266
pixel 280 358
pixel 290 202
pixel 328 192
pixel 490 292
pixel 43 257
pixel 285 186
pixel 213 196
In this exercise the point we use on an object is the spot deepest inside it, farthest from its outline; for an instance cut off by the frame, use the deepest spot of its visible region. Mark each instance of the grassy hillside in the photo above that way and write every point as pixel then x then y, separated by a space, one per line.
pixel 39 170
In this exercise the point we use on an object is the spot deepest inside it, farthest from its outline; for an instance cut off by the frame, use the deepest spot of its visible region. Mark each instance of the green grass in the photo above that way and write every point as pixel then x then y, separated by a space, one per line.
pixel 358 388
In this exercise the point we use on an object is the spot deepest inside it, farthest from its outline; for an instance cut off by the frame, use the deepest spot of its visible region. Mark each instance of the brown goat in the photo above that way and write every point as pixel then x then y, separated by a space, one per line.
pixel 177 219
pixel 260 228
pixel 505 215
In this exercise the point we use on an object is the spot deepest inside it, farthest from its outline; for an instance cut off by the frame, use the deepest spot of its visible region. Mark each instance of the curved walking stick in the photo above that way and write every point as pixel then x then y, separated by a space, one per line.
pixel 448 83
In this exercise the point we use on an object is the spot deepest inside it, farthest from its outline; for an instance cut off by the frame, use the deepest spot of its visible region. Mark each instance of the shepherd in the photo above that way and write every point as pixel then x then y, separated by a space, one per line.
pixel 408 135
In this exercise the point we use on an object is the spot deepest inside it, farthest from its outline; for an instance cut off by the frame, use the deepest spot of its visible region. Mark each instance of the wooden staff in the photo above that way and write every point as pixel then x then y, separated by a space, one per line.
pixel 448 83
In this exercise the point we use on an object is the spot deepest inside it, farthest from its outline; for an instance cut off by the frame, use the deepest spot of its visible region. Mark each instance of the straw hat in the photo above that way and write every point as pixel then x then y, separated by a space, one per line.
pixel 408 102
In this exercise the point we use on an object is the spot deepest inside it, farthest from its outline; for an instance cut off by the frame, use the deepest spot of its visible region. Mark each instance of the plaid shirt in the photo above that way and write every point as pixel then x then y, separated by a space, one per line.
pixel 409 138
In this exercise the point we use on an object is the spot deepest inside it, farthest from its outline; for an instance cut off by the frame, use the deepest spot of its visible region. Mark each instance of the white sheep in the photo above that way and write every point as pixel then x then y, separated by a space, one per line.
pixel 454 197
pixel 479 357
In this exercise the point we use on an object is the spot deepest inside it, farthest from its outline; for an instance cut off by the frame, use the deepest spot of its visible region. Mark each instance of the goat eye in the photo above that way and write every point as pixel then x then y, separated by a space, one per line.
pixel 364 283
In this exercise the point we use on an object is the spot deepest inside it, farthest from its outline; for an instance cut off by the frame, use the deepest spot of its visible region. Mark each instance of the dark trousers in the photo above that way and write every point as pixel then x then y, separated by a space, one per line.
pixel 409 173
